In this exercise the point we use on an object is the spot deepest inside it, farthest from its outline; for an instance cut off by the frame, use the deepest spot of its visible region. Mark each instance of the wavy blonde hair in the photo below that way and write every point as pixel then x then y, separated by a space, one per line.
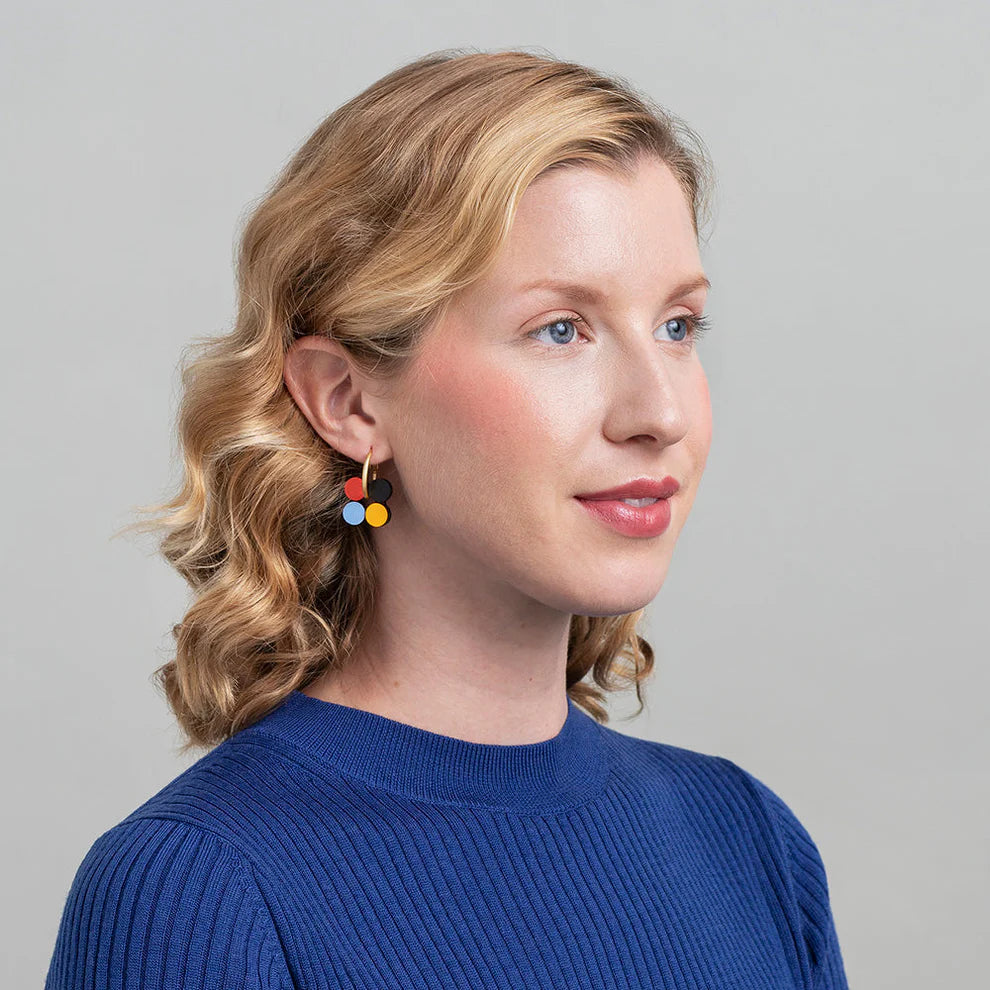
pixel 401 197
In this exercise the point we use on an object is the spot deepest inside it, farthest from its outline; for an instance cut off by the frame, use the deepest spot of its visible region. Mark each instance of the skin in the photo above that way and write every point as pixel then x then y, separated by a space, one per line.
pixel 491 433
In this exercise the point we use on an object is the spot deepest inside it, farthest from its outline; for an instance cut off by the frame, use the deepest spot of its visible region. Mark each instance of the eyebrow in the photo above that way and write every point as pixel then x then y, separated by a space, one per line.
pixel 589 295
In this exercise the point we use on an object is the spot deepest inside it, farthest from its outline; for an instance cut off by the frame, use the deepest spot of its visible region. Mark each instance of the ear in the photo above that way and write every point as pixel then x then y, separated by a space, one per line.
pixel 332 394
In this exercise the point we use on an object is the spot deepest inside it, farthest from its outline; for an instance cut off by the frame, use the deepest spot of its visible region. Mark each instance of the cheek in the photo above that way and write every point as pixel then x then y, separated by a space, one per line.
pixel 481 418
pixel 473 398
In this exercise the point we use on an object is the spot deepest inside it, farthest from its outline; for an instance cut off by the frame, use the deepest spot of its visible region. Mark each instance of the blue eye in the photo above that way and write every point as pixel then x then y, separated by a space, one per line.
pixel 697 327
pixel 559 327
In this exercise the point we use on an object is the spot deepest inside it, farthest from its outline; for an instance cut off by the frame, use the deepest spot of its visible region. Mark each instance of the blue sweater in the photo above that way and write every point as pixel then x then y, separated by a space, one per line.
pixel 330 847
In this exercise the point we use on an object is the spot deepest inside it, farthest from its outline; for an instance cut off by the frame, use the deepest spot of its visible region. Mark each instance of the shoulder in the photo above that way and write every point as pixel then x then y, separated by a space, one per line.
pixel 723 799
pixel 262 797
pixel 724 789
pixel 655 762
pixel 158 903
pixel 806 881
pixel 237 792
pixel 156 855
pixel 790 836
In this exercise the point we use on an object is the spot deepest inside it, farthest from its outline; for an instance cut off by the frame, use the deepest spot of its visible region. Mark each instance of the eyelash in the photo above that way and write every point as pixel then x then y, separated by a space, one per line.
pixel 699 326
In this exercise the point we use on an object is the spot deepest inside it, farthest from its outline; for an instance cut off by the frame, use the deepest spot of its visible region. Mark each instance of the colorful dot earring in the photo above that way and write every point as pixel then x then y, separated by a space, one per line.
pixel 377 513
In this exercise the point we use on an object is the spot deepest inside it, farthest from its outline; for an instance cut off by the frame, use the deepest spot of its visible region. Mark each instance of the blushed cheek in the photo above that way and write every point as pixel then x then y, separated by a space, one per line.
pixel 481 407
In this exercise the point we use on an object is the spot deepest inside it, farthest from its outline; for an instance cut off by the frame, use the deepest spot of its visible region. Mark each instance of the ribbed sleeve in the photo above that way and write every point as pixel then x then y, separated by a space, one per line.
pixel 810 887
pixel 163 904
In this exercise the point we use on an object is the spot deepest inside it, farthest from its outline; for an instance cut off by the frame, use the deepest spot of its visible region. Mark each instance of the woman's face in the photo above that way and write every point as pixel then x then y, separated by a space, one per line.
pixel 499 424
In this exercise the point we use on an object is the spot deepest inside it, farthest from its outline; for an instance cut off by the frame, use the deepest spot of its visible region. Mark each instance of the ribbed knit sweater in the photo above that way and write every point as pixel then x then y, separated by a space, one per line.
pixel 329 847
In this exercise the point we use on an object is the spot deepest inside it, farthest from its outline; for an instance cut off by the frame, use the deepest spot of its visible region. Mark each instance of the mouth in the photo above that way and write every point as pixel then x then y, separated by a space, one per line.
pixel 626 516
pixel 638 503
pixel 636 490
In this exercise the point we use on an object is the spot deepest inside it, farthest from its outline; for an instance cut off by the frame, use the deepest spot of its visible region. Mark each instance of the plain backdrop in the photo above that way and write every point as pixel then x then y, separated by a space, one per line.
pixel 824 622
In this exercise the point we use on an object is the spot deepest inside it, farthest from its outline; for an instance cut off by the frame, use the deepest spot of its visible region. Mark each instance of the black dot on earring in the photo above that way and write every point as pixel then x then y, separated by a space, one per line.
pixel 379 490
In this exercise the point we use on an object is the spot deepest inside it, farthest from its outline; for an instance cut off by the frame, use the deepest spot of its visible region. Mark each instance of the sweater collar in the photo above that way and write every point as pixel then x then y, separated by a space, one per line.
pixel 552 775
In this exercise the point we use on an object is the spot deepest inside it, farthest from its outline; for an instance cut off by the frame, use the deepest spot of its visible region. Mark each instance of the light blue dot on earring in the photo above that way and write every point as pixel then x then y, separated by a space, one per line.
pixel 354 513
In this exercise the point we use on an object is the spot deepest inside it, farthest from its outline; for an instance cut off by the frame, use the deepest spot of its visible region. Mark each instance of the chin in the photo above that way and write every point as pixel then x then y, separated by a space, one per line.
pixel 617 600
pixel 613 608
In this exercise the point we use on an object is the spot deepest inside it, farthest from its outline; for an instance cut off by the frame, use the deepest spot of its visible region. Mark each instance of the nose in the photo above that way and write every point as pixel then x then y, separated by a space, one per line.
pixel 646 391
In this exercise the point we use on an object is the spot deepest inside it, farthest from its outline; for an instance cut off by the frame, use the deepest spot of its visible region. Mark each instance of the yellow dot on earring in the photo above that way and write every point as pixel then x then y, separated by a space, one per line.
pixel 376 514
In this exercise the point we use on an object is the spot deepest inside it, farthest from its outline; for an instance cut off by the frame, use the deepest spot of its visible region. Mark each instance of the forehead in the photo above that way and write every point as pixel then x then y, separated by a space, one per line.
pixel 607 229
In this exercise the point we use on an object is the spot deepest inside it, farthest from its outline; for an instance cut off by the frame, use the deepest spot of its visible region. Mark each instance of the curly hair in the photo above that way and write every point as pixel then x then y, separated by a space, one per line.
pixel 401 197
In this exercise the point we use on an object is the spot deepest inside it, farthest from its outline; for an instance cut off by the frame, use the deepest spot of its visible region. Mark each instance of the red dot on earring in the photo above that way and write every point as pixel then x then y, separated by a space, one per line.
pixel 353 489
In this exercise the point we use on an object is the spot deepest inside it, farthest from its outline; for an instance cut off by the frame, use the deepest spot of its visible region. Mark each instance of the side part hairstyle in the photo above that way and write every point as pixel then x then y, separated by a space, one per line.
pixel 401 197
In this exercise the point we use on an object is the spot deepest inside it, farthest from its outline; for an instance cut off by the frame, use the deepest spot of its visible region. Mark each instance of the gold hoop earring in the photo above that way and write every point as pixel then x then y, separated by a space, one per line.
pixel 357 489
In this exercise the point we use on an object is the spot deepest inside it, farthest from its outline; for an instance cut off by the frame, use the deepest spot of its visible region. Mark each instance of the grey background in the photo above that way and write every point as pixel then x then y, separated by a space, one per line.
pixel 823 623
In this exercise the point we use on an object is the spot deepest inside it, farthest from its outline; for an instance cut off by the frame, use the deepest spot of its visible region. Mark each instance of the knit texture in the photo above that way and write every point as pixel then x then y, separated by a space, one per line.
pixel 330 847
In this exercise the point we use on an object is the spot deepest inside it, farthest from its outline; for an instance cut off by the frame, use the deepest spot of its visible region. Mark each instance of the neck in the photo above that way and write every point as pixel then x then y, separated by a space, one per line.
pixel 454 648
pixel 452 693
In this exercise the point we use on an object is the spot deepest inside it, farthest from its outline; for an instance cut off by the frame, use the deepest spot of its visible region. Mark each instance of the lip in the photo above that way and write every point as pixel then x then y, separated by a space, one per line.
pixel 630 520
pixel 637 488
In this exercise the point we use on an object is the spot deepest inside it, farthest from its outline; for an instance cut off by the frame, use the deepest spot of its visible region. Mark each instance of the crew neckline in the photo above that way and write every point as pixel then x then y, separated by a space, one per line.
pixel 552 775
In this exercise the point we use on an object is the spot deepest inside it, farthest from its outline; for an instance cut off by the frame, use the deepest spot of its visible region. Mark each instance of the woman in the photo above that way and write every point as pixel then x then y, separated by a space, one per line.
pixel 469 309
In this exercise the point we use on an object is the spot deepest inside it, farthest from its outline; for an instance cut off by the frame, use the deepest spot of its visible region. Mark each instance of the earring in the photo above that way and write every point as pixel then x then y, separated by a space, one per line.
pixel 377 513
